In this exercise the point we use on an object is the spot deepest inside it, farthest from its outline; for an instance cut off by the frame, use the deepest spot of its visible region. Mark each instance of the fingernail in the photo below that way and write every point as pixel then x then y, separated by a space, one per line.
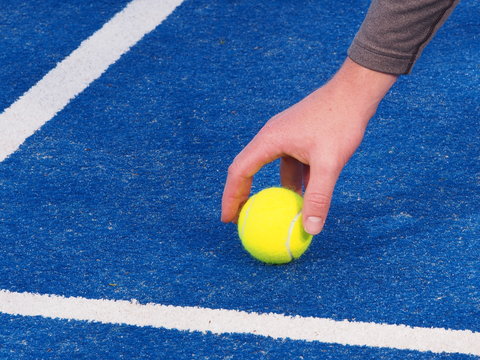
pixel 313 225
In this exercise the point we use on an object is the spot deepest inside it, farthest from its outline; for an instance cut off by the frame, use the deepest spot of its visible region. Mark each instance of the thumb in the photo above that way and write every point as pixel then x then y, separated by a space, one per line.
pixel 318 196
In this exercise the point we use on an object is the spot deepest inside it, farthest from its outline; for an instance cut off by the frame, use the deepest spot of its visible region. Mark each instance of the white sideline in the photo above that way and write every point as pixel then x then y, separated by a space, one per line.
pixel 75 73
pixel 220 321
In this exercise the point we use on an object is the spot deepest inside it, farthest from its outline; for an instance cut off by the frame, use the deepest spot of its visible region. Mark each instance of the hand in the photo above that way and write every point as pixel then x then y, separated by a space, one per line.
pixel 314 139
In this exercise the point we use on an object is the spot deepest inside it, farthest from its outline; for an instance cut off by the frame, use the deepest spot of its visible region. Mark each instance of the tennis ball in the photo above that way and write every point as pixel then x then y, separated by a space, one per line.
pixel 270 226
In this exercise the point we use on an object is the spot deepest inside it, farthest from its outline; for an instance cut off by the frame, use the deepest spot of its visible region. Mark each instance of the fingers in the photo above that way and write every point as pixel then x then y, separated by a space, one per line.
pixel 291 174
pixel 235 194
pixel 258 152
pixel 318 195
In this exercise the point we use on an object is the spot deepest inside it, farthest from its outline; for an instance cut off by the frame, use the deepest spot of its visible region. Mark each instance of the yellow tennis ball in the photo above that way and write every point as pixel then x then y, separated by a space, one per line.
pixel 270 226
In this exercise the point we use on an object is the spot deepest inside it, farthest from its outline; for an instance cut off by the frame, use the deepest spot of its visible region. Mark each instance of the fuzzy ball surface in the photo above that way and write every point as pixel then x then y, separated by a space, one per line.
pixel 270 226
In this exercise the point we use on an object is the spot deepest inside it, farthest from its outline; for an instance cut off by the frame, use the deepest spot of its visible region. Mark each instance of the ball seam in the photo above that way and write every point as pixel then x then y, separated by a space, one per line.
pixel 242 229
pixel 289 236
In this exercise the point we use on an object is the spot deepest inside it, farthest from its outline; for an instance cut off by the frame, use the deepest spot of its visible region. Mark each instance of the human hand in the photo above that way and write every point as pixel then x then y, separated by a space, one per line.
pixel 314 139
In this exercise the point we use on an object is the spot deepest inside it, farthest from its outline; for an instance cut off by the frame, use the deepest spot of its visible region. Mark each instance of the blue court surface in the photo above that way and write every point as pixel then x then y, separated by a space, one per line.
pixel 118 196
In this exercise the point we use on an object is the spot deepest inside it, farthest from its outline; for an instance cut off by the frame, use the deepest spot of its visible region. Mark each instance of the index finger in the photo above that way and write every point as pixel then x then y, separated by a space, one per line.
pixel 240 175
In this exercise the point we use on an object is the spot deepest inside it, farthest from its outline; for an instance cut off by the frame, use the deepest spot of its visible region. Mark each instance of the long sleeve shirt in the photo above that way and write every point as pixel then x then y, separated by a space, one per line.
pixel 395 32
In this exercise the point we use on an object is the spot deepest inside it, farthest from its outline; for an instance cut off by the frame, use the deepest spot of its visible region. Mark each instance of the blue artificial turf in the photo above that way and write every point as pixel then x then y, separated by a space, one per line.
pixel 124 185
pixel 39 338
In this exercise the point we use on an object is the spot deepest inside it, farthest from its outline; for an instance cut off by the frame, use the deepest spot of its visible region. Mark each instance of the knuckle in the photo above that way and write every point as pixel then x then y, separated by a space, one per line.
pixel 318 200
pixel 238 168
pixel 234 168
pixel 267 140
pixel 331 167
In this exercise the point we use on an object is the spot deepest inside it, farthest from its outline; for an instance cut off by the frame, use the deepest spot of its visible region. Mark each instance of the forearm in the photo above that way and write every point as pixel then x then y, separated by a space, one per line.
pixel 394 33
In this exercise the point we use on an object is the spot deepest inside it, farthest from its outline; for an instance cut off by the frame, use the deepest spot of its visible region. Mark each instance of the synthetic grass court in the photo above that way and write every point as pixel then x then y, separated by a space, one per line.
pixel 117 197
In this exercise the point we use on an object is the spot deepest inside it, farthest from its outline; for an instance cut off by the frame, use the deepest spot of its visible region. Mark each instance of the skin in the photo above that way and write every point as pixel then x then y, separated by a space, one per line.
pixel 314 139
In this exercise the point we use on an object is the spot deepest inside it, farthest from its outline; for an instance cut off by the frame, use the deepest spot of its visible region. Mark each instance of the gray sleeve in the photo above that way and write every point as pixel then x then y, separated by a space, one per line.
pixel 394 33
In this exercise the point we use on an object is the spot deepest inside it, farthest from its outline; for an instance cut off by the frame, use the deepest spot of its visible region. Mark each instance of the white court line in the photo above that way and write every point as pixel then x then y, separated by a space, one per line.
pixel 50 95
pixel 75 73
pixel 220 321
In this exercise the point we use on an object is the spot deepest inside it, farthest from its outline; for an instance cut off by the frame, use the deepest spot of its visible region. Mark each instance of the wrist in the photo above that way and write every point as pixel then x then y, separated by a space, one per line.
pixel 364 88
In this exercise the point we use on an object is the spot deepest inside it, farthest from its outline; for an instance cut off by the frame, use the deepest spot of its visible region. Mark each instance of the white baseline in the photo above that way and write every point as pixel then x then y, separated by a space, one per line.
pixel 75 73
pixel 220 321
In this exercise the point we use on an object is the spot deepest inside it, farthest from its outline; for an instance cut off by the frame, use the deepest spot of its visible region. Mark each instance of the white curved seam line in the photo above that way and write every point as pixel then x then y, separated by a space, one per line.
pixel 247 212
pixel 289 237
